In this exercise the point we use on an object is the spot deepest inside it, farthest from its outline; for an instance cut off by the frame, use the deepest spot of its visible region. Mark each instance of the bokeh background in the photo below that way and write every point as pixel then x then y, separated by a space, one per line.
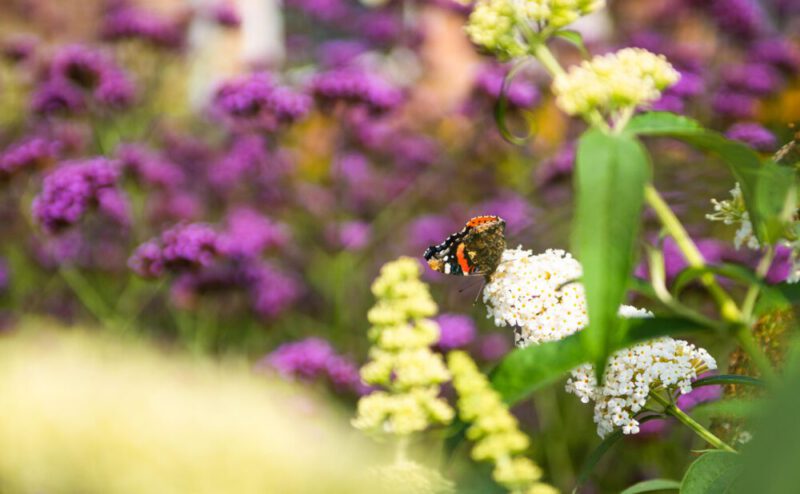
pixel 238 171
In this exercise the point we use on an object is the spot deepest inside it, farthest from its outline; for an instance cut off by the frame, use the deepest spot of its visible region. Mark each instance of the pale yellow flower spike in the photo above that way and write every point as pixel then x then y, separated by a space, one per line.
pixel 494 430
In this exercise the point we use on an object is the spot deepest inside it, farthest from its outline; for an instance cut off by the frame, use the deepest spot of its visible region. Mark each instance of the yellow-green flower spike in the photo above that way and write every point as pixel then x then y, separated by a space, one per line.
pixel 493 429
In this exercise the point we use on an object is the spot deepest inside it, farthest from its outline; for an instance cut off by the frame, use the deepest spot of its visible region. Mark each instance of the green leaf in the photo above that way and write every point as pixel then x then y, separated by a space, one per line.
pixel 778 296
pixel 501 107
pixel 611 172
pixel 714 472
pixel 727 379
pixel 652 486
pixel 574 38
pixel 769 190
pixel 525 370
pixel 597 454
pixel 731 271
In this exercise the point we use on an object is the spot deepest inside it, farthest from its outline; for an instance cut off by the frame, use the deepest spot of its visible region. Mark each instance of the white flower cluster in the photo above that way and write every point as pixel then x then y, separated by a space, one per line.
pixel 611 83
pixel 500 25
pixel 632 374
pixel 537 294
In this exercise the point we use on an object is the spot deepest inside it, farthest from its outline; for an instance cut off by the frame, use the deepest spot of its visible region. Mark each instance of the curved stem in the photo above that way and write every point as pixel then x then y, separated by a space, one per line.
pixel 688 421
pixel 752 293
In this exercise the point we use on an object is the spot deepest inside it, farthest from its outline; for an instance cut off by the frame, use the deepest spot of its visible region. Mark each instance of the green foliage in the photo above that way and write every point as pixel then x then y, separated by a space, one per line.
pixel 574 38
pixel 730 271
pixel 653 486
pixel 713 473
pixel 769 190
pixel 611 172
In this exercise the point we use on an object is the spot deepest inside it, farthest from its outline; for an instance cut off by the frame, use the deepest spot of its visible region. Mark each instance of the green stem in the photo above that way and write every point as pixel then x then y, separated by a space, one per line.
pixel 688 421
pixel 748 343
pixel 728 308
pixel 88 296
pixel 752 293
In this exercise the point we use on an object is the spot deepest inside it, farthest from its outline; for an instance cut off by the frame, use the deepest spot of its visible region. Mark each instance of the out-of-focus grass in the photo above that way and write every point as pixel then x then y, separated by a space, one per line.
pixel 87 414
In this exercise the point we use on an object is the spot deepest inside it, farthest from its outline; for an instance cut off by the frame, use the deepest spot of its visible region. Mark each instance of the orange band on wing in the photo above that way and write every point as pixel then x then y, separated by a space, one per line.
pixel 462 259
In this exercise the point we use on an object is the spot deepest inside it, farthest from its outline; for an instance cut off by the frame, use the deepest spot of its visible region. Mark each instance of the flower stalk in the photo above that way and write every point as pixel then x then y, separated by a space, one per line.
pixel 672 409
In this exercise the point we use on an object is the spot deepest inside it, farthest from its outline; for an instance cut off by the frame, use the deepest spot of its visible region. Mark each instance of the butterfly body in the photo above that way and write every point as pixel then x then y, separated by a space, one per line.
pixel 476 250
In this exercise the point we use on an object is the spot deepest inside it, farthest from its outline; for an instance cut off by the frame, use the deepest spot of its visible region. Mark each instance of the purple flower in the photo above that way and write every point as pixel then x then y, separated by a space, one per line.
pixel 247 159
pixel 149 167
pixel 778 52
pixel 29 153
pixel 70 190
pixel 755 78
pixel 115 91
pixel 350 235
pixel 249 234
pixel 355 87
pixel 493 346
pixel 311 359
pixel 753 134
pixel 57 97
pixel 92 70
pixel 429 230
pixel 322 10
pixel 742 18
pixel 4 274
pixel 513 208
pixel 520 93
pixel 734 104
pixel 690 84
pixel 456 331
pixel 712 251
pixel 273 291
pixel 226 14
pixel 19 48
pixel 669 102
pixel 557 167
pixel 184 247
pixel 413 151
pixel 782 265
pixel 339 53
pixel 256 102
pixel 381 27
pixel 135 23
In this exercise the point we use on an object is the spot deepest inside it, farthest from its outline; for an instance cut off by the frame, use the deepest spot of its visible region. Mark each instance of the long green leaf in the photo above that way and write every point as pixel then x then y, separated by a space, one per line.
pixel 732 271
pixel 769 190
pixel 727 379
pixel 611 172
pixel 652 486
pixel 525 370
pixel 716 472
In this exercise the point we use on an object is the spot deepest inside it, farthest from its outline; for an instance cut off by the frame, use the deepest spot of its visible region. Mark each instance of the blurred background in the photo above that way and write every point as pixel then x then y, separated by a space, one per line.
pixel 225 178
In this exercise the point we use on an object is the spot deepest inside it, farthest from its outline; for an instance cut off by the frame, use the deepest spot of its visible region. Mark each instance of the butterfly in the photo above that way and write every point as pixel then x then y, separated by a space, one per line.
pixel 474 251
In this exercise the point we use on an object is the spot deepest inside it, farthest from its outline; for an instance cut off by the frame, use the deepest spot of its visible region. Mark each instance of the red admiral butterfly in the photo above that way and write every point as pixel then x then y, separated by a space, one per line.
pixel 474 251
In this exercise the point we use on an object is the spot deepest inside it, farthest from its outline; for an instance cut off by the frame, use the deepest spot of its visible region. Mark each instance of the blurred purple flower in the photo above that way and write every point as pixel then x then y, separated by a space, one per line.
pixel 520 94
pixel 513 208
pixel 782 265
pixel 245 159
pixel 273 291
pixel 734 104
pixel 742 18
pixel 355 87
pixel 115 91
pixel 558 166
pixel 256 102
pixel 456 331
pixel 414 151
pixel 19 48
pixel 493 346
pixel 778 52
pixel 184 247
pixel 669 102
pixel 350 235
pixel 381 27
pixel 29 153
pixel 149 166
pixel 713 251
pixel 311 359
pixel 5 275
pixel 57 97
pixel 92 70
pixel 753 134
pixel 225 14
pixel 73 188
pixel 339 53
pixel 249 234
pixel 690 84
pixel 429 230
pixel 755 78
pixel 322 10
pixel 129 22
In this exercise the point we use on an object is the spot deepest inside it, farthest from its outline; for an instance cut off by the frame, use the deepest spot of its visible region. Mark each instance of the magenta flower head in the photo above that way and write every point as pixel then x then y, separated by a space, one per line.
pixel 30 153
pixel 355 87
pixel 313 359
pixel 57 97
pixel 76 187
pixel 249 234
pixel 95 73
pixel 753 134
pixel 225 14
pixel 135 23
pixel 754 78
pixel 455 331
pixel 246 159
pixel 349 235
pixel 339 53
pixel 149 167
pixel 256 102
pixel 742 18
pixel 19 48
pixel 778 52
pixel 273 291
pixel 521 93
pixel 734 104
pixel 184 247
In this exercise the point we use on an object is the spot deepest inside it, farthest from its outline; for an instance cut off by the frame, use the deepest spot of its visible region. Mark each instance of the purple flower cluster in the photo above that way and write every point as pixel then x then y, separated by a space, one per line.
pixel 246 159
pixel 257 102
pixel 130 22
pixel 455 331
pixel 349 235
pixel 74 188
pixel 149 167
pixel 77 71
pixel 184 247
pixel 249 234
pixel 521 93
pixel 355 87
pixel 272 290
pixel 225 14
pixel 756 135
pixel 312 359
pixel 29 153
